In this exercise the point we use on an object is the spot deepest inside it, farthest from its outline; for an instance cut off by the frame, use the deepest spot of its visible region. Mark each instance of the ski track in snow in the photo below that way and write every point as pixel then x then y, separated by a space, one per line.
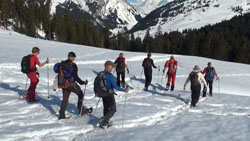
pixel 151 115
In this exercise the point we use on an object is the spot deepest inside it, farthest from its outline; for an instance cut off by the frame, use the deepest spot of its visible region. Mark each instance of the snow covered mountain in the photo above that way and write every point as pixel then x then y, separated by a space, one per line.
pixel 186 14
pixel 146 6
pixel 151 116
pixel 113 14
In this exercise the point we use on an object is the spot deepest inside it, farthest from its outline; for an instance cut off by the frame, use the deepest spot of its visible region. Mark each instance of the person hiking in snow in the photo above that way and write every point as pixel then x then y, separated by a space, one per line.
pixel 120 69
pixel 147 64
pixel 210 75
pixel 196 79
pixel 70 71
pixel 109 103
pixel 172 68
pixel 34 73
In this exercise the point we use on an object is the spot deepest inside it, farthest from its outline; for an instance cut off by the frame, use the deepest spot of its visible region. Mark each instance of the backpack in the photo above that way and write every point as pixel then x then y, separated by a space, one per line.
pixel 120 67
pixel 171 68
pixel 100 86
pixel 65 77
pixel 25 64
pixel 194 79
pixel 210 73
pixel 147 63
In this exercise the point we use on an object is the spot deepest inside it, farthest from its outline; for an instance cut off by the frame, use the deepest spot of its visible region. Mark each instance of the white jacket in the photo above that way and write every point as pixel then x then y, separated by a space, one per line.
pixel 201 78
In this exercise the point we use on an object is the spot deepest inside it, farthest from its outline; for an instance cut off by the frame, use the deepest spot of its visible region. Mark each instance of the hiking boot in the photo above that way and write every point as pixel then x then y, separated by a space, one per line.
pixel 172 88
pixel 167 87
pixel 123 85
pixel 61 116
pixel 145 89
pixel 103 123
pixel 85 110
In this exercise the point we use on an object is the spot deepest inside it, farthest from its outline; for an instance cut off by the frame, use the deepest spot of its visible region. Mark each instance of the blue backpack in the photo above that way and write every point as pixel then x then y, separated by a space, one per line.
pixel 65 72
pixel 210 73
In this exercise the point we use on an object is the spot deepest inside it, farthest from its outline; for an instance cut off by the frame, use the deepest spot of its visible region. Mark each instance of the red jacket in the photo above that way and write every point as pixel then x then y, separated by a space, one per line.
pixel 33 62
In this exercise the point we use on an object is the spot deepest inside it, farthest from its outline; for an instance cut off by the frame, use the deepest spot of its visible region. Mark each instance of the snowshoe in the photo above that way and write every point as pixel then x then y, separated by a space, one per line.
pixel 33 101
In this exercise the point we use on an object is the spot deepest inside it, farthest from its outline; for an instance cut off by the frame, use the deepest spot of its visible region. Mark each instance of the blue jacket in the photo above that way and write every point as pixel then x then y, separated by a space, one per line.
pixel 111 82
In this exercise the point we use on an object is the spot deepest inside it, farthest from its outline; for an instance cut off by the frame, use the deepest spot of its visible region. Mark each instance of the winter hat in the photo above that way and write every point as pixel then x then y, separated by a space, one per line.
pixel 172 57
pixel 196 68
pixel 71 54
pixel 121 54
pixel 109 63
pixel 149 54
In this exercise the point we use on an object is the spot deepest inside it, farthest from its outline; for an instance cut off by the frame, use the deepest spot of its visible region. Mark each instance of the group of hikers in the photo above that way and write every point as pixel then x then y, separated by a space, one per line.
pixel 67 78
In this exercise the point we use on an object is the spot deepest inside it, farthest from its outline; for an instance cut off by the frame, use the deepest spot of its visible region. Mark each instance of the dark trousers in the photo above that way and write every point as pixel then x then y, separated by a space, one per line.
pixel 122 75
pixel 196 90
pixel 109 107
pixel 66 93
pixel 148 77
pixel 210 84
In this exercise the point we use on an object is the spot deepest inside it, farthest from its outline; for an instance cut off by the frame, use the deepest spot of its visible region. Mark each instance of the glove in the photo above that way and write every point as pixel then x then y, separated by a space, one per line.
pixel 86 82
pixel 127 71
pixel 163 71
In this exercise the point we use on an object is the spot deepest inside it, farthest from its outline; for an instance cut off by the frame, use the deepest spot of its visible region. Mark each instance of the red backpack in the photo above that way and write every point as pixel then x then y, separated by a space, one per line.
pixel 172 67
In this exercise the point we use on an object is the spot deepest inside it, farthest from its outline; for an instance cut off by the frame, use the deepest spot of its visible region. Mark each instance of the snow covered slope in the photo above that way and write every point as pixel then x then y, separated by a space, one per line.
pixel 186 14
pixel 151 115
pixel 113 14
pixel 146 6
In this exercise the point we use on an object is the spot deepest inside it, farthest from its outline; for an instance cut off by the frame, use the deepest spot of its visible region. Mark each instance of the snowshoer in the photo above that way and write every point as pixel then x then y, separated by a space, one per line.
pixel 121 65
pixel 147 64
pixel 70 73
pixel 172 68
pixel 33 73
pixel 210 75
pixel 109 103
pixel 196 79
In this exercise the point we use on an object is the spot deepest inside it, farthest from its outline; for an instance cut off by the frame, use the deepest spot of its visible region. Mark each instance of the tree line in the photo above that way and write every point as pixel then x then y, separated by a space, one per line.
pixel 31 16
pixel 228 40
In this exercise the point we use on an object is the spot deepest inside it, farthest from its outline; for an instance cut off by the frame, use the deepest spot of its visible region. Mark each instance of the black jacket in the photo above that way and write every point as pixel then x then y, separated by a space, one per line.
pixel 148 63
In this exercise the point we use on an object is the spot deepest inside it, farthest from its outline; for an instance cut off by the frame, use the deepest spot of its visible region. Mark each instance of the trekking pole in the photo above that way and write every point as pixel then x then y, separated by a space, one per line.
pixel 129 77
pixel 48 77
pixel 162 77
pixel 140 79
pixel 218 86
pixel 25 90
pixel 158 75
pixel 124 108
pixel 97 105
pixel 82 99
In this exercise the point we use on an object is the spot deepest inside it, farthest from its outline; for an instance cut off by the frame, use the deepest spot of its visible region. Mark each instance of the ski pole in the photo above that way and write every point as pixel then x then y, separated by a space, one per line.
pixel 140 79
pixel 82 99
pixel 48 76
pixel 124 108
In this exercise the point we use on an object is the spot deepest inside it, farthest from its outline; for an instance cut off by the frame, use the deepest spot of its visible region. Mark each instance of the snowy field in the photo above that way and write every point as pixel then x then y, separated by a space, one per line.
pixel 152 115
